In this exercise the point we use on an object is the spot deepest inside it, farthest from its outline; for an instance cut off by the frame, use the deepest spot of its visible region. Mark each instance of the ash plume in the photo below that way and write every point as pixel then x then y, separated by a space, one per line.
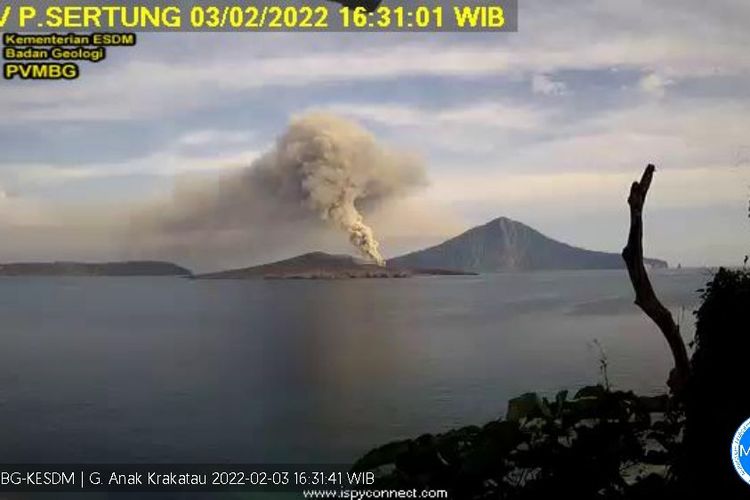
pixel 322 168
pixel 334 167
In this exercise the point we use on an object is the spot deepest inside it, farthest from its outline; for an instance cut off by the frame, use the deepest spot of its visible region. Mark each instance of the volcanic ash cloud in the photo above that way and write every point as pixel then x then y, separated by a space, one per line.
pixel 335 168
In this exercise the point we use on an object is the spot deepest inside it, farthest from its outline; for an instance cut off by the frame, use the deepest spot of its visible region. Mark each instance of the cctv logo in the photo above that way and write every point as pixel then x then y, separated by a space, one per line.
pixel 741 451
pixel 40 71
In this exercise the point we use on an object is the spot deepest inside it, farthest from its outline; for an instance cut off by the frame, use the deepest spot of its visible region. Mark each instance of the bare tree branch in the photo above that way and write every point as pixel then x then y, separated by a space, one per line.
pixel 645 297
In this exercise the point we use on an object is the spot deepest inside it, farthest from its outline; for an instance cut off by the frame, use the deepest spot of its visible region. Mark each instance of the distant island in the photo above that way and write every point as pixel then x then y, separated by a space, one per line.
pixel 501 245
pixel 126 268
pixel 507 245
pixel 320 265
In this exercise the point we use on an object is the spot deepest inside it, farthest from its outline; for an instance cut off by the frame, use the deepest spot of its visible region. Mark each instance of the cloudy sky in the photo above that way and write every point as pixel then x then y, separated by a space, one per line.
pixel 548 126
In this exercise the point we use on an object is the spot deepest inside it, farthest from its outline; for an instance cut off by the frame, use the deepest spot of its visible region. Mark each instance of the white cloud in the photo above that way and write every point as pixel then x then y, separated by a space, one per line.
pixel 230 151
pixel 209 137
pixel 543 84
pixel 501 115
pixel 676 134
pixel 553 38
pixel 601 191
pixel 163 163
pixel 654 84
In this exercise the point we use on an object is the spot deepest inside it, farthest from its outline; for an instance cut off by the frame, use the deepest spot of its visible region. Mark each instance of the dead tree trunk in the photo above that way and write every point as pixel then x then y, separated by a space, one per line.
pixel 645 297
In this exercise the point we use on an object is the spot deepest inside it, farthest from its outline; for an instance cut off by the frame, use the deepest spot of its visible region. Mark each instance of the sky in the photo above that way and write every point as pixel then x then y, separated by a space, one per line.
pixel 548 126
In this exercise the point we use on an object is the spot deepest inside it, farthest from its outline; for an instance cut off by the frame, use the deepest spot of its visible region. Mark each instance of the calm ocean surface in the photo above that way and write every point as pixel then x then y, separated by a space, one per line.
pixel 173 370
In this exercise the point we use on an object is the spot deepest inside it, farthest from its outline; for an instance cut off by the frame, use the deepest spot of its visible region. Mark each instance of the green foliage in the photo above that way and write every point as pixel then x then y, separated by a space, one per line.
pixel 525 406
pixel 602 443
pixel 716 399
pixel 598 443
pixel 603 363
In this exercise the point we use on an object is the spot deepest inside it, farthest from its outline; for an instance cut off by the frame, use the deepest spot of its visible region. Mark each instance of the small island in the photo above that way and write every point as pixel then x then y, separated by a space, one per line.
pixel 124 268
pixel 320 265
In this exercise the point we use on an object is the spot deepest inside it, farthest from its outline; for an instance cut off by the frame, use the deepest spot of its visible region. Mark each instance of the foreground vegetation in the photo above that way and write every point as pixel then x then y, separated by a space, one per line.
pixel 601 443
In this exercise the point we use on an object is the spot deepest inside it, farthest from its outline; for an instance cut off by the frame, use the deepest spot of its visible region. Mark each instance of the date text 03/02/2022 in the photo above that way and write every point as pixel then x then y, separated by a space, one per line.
pixel 270 16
